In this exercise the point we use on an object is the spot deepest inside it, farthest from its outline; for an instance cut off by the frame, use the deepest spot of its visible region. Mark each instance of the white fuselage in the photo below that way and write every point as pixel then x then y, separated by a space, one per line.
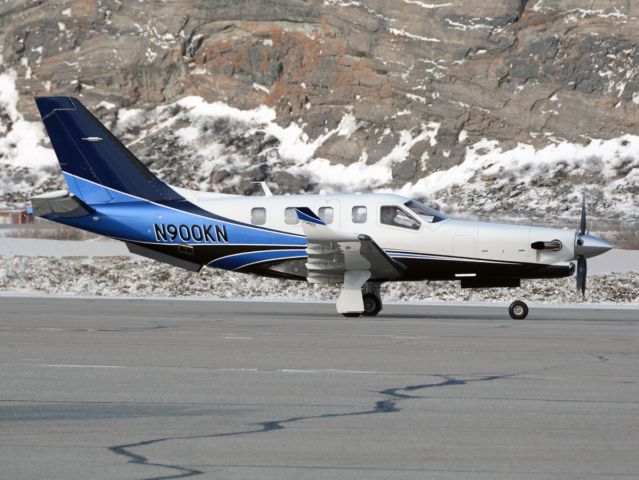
pixel 455 238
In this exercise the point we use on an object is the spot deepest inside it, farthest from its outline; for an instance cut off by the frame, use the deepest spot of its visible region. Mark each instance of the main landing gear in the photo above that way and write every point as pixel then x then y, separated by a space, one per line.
pixel 371 299
pixel 518 310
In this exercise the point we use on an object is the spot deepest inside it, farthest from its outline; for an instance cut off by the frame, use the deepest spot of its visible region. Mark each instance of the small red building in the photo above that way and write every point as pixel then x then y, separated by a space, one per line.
pixel 15 217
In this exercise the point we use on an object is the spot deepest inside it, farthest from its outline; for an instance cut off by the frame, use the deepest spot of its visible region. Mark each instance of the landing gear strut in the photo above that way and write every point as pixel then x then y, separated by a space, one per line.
pixel 518 310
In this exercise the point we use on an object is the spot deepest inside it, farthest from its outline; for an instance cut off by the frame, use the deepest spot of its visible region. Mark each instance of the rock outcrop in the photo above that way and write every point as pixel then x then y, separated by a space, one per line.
pixel 513 71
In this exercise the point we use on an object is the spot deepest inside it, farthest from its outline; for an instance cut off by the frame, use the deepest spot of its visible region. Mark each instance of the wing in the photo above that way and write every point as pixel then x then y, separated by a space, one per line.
pixel 332 253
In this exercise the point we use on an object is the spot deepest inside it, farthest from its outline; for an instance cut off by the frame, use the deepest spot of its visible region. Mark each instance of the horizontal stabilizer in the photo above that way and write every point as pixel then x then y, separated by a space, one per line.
pixel 58 204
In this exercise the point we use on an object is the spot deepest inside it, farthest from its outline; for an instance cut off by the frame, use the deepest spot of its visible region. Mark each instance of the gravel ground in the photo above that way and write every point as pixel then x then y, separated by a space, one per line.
pixel 125 276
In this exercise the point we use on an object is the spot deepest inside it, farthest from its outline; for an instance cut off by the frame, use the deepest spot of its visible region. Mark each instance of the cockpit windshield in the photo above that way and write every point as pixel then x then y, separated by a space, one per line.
pixel 424 212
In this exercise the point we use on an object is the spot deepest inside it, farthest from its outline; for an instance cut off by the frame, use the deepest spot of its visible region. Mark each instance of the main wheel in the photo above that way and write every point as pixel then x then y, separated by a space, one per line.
pixel 372 304
pixel 518 310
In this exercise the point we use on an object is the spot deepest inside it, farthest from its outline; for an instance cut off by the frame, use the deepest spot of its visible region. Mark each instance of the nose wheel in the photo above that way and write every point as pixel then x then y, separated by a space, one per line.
pixel 518 310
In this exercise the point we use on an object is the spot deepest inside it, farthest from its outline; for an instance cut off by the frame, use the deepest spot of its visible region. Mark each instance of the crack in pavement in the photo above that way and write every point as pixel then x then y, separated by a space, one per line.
pixel 387 405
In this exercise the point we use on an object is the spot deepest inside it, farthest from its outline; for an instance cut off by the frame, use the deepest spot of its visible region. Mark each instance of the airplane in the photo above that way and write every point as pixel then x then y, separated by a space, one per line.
pixel 357 240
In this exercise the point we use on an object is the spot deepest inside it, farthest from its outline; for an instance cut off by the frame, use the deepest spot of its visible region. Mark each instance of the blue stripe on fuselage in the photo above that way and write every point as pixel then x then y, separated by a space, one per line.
pixel 134 219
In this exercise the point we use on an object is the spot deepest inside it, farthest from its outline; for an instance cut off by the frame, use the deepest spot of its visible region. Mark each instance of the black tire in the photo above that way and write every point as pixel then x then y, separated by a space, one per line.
pixel 372 305
pixel 518 310
pixel 351 314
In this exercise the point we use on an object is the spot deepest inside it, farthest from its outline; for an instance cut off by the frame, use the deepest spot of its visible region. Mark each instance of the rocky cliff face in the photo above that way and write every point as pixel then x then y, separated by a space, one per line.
pixel 414 86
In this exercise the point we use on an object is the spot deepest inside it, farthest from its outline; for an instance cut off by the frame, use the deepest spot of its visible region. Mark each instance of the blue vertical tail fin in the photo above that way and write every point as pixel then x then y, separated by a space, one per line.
pixel 96 165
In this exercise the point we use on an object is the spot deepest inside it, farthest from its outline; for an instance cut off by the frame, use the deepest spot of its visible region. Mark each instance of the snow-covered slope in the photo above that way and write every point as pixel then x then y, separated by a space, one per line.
pixel 26 163
pixel 213 146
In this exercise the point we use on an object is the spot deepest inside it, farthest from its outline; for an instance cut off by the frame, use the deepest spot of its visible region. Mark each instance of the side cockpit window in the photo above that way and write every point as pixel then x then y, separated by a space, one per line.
pixel 396 217
pixel 258 216
pixel 425 213
pixel 359 214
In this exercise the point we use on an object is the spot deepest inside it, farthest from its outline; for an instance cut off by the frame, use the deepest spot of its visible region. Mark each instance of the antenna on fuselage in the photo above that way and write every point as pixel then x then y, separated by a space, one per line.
pixel 265 189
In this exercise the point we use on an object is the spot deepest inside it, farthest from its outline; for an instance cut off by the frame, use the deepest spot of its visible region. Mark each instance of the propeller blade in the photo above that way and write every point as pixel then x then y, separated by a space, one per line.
pixel 582 224
pixel 582 272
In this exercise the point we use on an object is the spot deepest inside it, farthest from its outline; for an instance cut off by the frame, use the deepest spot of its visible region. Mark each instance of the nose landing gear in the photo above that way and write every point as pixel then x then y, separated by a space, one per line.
pixel 518 310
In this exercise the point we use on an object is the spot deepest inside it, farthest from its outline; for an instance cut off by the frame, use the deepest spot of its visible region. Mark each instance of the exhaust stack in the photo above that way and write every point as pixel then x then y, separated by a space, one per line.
pixel 552 245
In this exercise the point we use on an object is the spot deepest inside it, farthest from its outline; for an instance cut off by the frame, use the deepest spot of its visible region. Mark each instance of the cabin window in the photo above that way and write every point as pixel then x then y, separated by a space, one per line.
pixel 396 217
pixel 326 214
pixel 360 214
pixel 290 216
pixel 258 216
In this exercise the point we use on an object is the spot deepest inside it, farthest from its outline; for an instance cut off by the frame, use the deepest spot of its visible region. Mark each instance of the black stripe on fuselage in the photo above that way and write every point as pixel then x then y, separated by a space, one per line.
pixel 206 253
pixel 435 269
pixel 441 270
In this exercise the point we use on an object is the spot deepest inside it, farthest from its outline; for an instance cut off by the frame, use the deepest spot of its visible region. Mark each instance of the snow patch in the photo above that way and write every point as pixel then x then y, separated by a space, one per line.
pixel 106 105
pixel 212 130
pixel 581 13
pixel 128 117
pixel 21 141
pixel 471 25
pixel 23 158
pixel 348 125
pixel 412 36
pixel 357 176
pixel 360 176
pixel 9 94
pixel 198 108
pixel 416 98
pixel 261 88
pixel 428 6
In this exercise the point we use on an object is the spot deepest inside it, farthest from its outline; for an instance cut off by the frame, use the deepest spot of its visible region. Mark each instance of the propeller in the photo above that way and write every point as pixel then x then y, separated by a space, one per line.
pixel 582 264
pixel 586 246
pixel 582 271
pixel 582 223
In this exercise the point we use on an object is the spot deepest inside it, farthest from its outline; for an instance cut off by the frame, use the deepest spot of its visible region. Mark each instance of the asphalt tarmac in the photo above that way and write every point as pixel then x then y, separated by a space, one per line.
pixel 141 389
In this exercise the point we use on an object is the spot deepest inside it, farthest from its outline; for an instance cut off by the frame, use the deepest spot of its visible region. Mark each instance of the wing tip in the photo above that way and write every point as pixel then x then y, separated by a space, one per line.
pixel 305 214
